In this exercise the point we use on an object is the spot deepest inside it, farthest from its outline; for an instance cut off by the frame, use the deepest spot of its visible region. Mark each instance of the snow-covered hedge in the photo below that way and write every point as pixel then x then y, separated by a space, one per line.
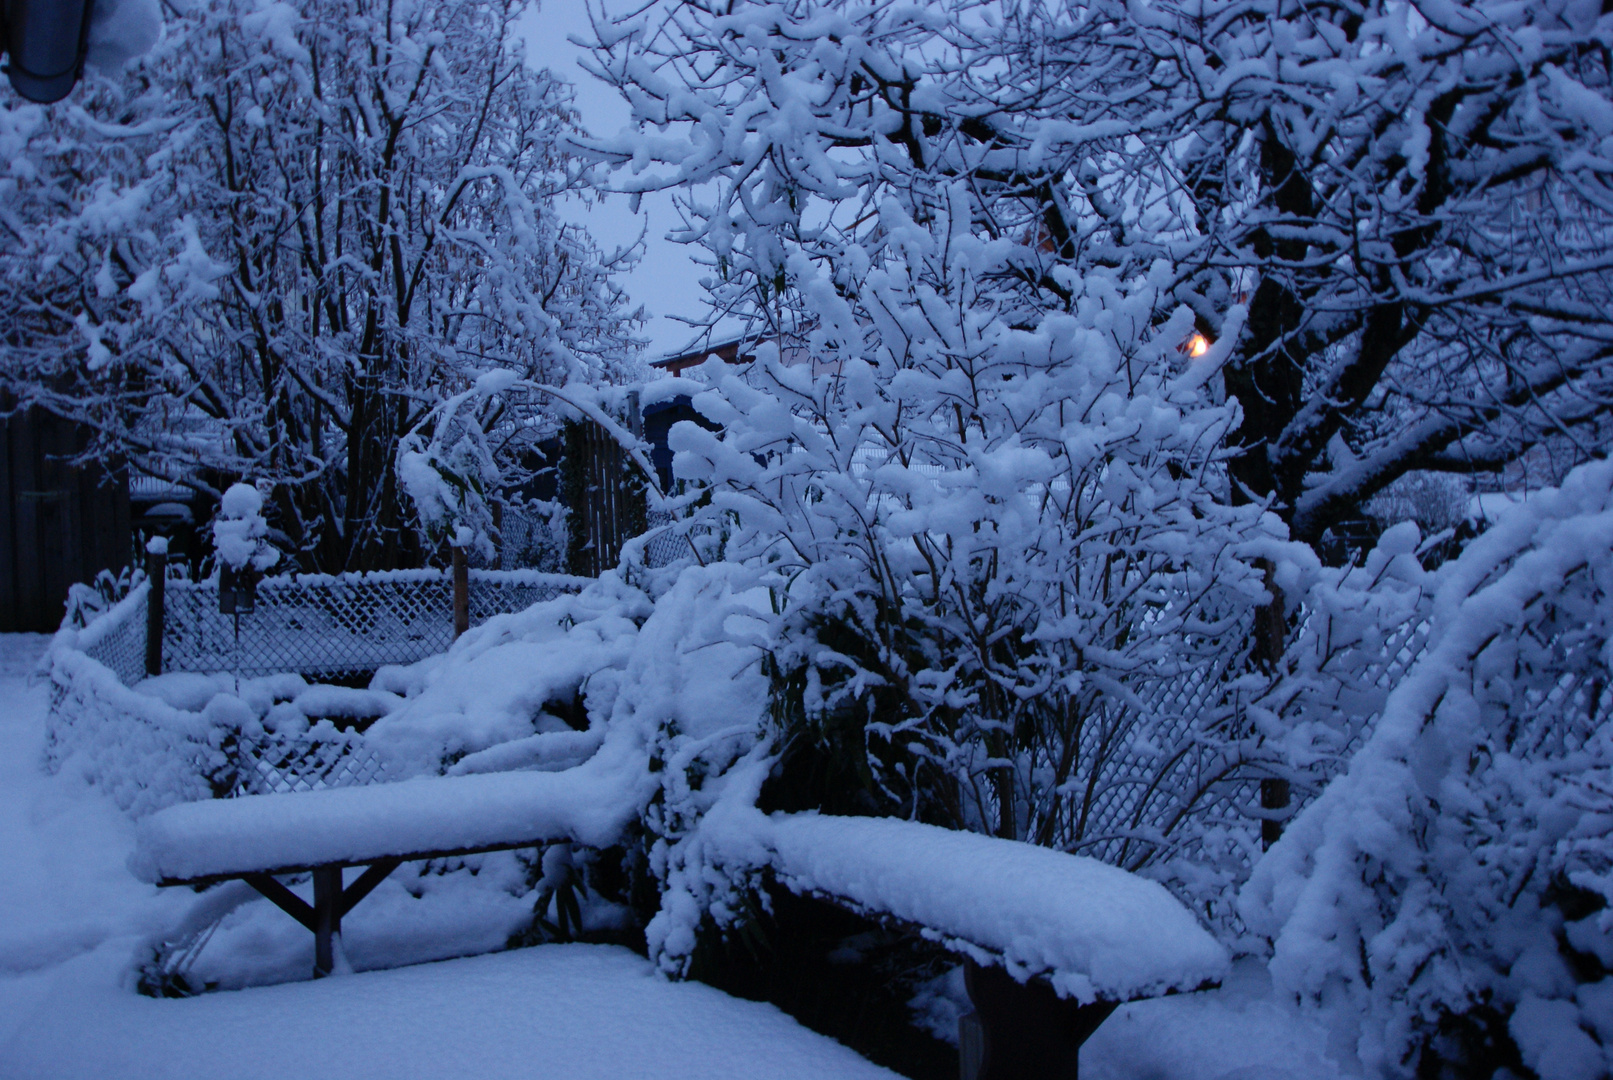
pixel 1451 887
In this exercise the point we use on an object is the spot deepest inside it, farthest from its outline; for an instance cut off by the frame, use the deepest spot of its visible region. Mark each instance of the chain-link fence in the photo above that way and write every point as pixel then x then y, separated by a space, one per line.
pixel 317 626
pixel 325 626
pixel 274 763
pixel 117 639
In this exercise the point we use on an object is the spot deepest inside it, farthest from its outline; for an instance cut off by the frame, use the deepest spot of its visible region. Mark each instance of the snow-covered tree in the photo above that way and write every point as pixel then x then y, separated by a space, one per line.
pixel 1398 217
pixel 1012 595
pixel 281 238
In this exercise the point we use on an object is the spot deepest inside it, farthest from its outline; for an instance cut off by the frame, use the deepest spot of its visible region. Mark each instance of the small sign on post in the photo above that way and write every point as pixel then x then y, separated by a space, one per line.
pixel 237 590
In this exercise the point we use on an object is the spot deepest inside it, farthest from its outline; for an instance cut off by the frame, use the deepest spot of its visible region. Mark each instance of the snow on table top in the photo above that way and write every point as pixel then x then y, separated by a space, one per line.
pixel 1096 931
pixel 261 833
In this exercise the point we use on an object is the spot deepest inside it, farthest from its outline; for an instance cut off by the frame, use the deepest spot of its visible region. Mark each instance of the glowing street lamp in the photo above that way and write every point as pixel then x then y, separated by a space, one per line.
pixel 1197 345
pixel 46 40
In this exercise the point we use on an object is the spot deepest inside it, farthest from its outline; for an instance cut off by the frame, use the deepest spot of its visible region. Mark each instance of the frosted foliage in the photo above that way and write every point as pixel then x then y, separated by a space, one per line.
pixel 450 474
pixel 1461 859
pixel 274 243
pixel 992 519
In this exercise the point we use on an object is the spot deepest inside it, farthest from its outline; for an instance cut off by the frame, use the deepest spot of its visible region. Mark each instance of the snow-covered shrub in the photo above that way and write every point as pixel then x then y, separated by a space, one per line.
pixel 991 550
pixel 240 534
pixel 532 689
pixel 1449 891
pixel 666 702
pixel 977 462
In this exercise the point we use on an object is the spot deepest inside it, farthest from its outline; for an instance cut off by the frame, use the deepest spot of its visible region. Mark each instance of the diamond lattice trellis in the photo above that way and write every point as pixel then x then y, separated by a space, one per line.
pixel 273 763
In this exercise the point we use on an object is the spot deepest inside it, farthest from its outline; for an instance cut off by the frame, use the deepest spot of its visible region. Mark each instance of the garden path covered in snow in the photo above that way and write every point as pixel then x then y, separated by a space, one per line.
pixel 78 922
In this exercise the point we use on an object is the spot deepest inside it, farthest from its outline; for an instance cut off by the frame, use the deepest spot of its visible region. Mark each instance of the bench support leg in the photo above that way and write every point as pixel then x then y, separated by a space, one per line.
pixel 331 902
pixel 327 918
pixel 1023 1029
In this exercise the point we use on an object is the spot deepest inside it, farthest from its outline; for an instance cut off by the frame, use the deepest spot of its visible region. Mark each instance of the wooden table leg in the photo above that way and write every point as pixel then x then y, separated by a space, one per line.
pixel 327 918
pixel 1026 1029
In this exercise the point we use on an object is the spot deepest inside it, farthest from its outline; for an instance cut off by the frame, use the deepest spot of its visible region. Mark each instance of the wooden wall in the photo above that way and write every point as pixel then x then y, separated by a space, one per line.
pixel 58 523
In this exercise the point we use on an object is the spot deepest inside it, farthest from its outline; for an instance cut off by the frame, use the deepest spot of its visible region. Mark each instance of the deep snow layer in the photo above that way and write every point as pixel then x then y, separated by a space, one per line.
pixel 583 1012
pixel 77 921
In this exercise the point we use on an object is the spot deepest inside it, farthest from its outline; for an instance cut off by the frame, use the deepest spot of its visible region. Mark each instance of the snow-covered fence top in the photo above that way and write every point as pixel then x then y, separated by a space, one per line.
pixel 228 720
pixel 322 624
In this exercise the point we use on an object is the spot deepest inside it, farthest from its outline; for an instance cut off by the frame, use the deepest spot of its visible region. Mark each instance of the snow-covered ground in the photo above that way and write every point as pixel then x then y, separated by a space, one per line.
pixel 77 923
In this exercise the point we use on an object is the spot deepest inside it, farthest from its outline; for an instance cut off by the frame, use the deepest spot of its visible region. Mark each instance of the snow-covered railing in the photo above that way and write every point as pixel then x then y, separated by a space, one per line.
pixel 1095 932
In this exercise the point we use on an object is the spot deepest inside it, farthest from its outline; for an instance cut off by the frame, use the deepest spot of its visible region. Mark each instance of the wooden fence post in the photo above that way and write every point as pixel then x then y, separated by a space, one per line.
pixel 461 592
pixel 497 506
pixel 157 575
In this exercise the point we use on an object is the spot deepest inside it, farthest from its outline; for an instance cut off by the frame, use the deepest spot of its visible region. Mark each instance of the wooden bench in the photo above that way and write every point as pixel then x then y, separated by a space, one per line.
pixel 1052 943
pixel 258 838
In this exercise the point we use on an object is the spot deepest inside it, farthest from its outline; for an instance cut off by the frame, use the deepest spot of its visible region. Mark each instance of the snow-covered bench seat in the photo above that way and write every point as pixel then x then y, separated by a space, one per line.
pixel 380 826
pixel 1053 943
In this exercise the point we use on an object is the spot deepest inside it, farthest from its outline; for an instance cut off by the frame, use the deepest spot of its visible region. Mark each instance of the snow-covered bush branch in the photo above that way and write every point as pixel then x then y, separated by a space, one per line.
pixel 1402 272
pixel 1448 891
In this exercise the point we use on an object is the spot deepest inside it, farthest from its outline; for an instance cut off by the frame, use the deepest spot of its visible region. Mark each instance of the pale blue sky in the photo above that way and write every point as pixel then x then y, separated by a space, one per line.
pixel 667 281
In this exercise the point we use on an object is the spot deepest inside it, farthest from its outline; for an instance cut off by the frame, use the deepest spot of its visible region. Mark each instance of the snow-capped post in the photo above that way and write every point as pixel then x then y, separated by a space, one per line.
pixel 157 575
pixel 240 539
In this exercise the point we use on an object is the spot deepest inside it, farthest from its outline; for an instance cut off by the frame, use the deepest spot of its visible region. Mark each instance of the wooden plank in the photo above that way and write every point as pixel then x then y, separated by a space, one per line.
pixel 327 918
pixel 401 857
pixel 30 537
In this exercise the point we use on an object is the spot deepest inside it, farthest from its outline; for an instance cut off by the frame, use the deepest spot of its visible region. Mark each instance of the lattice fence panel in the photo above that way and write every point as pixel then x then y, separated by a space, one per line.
pixel 274 763
pixel 320 627
pixel 1131 793
pixel 1130 789
pixel 494 593
pixel 664 545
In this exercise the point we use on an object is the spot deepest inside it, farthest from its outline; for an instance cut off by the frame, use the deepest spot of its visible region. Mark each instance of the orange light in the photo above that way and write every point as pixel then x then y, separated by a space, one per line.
pixel 1198 345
